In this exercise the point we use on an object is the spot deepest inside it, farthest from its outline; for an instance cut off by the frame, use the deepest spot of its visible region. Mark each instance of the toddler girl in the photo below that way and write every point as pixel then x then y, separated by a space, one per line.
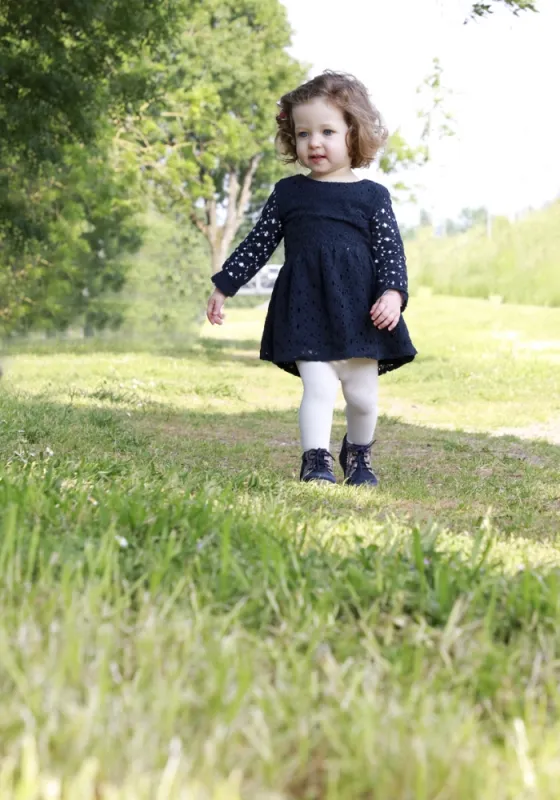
pixel 335 311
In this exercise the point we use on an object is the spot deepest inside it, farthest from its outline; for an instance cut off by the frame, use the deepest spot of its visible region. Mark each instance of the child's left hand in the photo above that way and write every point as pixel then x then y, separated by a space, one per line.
pixel 386 312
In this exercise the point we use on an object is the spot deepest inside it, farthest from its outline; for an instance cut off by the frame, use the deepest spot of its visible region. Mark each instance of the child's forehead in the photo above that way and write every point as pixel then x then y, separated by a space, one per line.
pixel 317 111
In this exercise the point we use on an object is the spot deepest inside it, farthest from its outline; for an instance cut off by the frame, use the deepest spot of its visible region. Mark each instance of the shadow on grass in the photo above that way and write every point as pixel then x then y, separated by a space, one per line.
pixel 179 346
pixel 426 474
pixel 244 351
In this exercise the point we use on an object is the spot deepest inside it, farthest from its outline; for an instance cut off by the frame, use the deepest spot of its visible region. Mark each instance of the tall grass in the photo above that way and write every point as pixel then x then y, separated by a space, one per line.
pixel 181 619
pixel 180 635
pixel 519 263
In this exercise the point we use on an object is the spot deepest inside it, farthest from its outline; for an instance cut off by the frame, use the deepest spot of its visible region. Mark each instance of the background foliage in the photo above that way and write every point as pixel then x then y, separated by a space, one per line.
pixel 516 261
pixel 145 120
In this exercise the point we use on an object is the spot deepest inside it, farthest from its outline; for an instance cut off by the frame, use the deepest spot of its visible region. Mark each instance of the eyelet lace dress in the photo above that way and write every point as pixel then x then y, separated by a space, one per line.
pixel 343 251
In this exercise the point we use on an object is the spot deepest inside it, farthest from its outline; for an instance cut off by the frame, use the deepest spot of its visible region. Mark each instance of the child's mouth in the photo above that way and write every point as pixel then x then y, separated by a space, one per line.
pixel 317 158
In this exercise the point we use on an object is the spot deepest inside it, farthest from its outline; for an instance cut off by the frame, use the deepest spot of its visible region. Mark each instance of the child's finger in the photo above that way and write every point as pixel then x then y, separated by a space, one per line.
pixel 389 320
pixel 379 310
pixel 383 317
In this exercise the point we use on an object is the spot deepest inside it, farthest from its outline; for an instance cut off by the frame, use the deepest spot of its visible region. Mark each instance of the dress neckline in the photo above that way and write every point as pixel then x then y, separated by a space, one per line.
pixel 336 183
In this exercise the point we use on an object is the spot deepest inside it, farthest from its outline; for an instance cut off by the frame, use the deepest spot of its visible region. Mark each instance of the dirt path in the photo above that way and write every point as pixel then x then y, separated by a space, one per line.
pixel 549 431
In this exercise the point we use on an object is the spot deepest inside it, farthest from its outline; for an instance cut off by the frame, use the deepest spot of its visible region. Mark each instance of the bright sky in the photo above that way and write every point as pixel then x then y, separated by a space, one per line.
pixel 503 71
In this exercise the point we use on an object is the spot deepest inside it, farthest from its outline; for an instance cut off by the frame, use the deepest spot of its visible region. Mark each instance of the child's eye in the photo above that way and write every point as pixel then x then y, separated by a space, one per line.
pixel 327 131
pixel 302 135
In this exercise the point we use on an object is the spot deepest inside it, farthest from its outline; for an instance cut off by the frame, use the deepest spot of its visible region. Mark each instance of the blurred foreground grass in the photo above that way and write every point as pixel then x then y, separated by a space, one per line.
pixel 182 618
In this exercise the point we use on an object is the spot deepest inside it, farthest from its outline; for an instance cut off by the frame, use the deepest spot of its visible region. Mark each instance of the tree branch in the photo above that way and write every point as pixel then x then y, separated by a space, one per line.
pixel 230 225
pixel 246 186
pixel 482 9
pixel 202 227
pixel 213 230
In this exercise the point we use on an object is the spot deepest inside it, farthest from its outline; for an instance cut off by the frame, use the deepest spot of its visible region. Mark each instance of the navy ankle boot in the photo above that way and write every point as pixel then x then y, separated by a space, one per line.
pixel 355 460
pixel 317 465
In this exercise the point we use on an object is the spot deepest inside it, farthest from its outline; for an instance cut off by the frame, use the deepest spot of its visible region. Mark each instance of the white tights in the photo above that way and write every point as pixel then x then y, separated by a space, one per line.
pixel 358 377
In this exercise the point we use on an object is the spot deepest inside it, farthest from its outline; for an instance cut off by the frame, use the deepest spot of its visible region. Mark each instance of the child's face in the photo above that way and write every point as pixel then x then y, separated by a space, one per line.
pixel 321 138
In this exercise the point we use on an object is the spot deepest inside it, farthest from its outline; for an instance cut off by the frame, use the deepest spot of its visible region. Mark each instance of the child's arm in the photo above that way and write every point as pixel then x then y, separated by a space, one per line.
pixel 253 252
pixel 388 250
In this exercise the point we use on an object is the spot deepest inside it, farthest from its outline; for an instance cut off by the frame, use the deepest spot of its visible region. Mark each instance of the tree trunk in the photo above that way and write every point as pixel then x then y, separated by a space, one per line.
pixel 220 237
pixel 219 252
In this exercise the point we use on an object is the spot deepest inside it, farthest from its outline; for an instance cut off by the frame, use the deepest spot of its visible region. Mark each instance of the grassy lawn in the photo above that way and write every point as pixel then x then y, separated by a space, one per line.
pixel 181 618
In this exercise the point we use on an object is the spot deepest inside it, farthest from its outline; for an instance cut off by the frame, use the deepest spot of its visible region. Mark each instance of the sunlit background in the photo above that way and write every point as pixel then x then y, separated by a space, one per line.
pixel 115 212
pixel 501 76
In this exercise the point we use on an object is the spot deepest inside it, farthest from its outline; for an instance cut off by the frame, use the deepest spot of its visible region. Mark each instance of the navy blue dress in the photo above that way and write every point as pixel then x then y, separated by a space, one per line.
pixel 343 250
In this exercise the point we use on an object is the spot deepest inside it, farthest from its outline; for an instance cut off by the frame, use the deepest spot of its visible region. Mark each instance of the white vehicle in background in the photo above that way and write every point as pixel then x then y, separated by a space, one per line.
pixel 263 282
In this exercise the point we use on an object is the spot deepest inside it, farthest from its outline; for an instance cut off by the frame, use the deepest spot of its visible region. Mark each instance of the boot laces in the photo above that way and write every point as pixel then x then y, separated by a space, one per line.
pixel 318 460
pixel 321 460
pixel 359 459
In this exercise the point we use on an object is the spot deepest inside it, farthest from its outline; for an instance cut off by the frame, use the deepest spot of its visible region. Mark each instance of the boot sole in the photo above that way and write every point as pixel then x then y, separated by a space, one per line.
pixel 317 480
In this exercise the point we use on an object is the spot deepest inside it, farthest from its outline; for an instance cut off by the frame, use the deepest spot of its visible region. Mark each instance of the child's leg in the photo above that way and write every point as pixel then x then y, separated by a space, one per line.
pixel 320 385
pixel 359 378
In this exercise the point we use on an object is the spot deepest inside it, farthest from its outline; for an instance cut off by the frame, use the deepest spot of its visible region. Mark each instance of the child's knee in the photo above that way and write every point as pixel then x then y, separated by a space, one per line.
pixel 361 406
pixel 362 400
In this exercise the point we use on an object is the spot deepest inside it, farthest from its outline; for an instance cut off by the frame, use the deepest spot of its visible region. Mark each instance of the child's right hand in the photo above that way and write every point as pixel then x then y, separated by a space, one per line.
pixel 214 310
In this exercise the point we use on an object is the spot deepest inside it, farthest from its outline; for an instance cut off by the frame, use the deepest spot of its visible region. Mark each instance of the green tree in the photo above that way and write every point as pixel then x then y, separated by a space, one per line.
pixel 63 66
pixel 482 9
pixel 167 282
pixel 208 146
pixel 65 241
pixel 107 193
pixel 66 69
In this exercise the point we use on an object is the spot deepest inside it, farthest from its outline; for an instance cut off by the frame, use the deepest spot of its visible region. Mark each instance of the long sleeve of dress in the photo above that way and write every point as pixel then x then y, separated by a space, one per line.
pixel 253 252
pixel 388 250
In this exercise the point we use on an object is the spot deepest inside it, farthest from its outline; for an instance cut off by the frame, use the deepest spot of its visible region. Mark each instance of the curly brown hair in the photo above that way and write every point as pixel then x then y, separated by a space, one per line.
pixel 367 134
